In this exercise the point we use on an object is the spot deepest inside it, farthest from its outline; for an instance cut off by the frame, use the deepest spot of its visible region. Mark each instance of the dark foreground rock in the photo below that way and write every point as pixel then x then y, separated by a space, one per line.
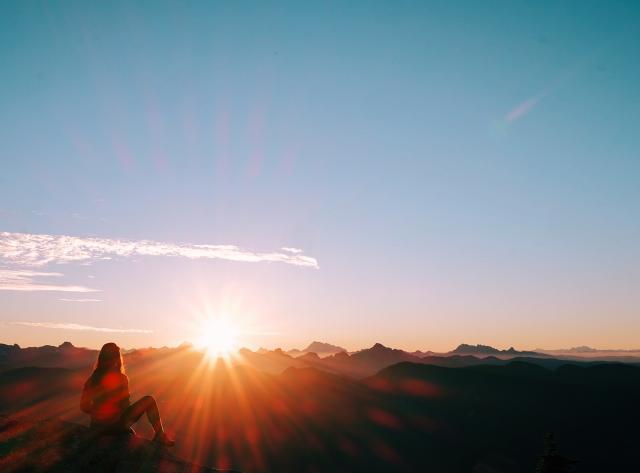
pixel 56 446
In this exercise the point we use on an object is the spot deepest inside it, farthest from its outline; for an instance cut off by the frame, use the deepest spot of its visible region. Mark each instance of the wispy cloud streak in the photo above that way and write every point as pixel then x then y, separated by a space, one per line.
pixel 63 299
pixel 79 327
pixel 38 250
pixel 291 250
pixel 24 280
pixel 523 108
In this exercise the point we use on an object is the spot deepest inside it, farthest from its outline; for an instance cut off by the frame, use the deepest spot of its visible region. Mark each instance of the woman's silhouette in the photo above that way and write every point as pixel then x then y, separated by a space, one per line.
pixel 106 398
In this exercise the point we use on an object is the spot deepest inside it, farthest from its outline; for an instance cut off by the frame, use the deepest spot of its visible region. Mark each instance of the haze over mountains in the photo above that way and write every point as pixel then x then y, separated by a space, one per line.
pixel 593 353
pixel 323 356
pixel 319 348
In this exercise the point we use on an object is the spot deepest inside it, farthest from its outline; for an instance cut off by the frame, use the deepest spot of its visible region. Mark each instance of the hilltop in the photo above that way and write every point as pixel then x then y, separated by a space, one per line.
pixel 54 445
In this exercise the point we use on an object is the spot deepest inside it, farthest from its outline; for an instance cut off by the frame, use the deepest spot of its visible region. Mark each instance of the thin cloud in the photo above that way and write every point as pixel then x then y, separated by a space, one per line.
pixel 79 300
pixel 38 250
pixel 565 76
pixel 522 109
pixel 24 280
pixel 291 250
pixel 79 327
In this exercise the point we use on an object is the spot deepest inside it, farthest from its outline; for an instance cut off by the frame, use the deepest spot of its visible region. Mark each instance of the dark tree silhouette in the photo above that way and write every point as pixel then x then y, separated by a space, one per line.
pixel 551 461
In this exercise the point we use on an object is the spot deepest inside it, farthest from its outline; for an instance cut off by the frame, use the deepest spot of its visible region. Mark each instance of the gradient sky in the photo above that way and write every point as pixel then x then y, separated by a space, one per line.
pixel 460 171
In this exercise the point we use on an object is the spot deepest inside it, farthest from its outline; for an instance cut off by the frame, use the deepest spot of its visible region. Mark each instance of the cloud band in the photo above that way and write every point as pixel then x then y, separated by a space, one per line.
pixel 25 280
pixel 38 250
pixel 79 327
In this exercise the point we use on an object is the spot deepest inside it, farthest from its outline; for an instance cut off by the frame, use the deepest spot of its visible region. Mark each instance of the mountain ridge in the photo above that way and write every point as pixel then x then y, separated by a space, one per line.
pixel 479 349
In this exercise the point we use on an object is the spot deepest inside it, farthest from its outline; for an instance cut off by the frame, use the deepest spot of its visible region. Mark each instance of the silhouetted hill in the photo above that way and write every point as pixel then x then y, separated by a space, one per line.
pixel 461 361
pixel 270 361
pixel 65 355
pixel 379 356
pixel 480 350
pixel 310 357
pixel 463 348
pixel 503 410
pixel 56 446
pixel 320 348
pixel 582 349
pixel 421 354
pixel 323 348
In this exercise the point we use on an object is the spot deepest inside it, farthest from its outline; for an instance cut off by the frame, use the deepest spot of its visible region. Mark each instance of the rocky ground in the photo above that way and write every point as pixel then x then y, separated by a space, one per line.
pixel 55 446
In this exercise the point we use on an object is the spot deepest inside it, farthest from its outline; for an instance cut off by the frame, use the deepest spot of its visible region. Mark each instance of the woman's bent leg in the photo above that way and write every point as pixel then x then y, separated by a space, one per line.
pixel 147 404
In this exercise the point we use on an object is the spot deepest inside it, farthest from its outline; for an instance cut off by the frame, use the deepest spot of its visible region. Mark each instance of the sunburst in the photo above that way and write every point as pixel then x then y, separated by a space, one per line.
pixel 218 336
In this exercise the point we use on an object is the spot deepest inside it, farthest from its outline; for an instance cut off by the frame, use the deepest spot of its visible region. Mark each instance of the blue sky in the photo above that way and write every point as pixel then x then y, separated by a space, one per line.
pixel 460 171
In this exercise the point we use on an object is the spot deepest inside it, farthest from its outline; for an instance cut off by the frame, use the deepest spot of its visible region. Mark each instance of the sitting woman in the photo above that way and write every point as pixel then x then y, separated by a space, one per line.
pixel 106 398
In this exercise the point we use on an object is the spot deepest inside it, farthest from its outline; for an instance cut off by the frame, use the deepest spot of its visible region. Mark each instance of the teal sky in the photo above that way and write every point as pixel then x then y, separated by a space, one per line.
pixel 460 171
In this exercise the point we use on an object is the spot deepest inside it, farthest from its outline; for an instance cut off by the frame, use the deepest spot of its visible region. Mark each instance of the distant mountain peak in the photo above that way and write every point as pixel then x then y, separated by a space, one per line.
pixel 582 349
pixel 310 356
pixel 66 345
pixel 466 349
pixel 476 349
pixel 322 347
pixel 380 349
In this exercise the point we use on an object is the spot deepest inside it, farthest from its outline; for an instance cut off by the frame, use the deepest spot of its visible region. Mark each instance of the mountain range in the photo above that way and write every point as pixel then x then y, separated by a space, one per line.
pixel 333 359
pixel 455 413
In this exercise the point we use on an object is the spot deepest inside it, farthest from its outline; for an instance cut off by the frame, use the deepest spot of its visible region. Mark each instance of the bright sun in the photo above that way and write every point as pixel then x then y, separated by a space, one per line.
pixel 219 337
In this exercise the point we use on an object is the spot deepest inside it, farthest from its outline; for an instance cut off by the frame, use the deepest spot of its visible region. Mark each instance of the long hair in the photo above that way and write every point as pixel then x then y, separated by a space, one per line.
pixel 109 361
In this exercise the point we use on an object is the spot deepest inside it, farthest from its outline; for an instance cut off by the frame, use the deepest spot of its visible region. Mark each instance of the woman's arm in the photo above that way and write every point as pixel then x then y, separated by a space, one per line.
pixel 86 401
pixel 124 397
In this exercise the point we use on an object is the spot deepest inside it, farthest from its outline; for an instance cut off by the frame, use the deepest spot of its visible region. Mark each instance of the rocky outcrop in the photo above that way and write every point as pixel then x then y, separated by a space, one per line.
pixel 56 446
